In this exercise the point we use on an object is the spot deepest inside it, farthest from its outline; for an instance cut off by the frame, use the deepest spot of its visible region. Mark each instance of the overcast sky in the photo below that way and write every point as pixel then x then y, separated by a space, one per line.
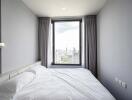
pixel 67 35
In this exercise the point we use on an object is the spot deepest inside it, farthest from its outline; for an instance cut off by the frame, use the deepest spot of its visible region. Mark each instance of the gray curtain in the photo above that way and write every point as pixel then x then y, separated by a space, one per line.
pixel 90 30
pixel 43 35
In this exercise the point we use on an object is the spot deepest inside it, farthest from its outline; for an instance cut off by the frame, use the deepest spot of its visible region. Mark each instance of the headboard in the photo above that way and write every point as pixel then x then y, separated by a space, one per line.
pixel 9 75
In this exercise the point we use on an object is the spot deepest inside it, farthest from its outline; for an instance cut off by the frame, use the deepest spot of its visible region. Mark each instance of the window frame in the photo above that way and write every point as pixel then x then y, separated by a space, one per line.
pixel 80 40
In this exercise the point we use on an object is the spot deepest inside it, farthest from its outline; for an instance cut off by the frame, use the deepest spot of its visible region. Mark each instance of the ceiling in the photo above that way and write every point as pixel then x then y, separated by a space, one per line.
pixel 64 8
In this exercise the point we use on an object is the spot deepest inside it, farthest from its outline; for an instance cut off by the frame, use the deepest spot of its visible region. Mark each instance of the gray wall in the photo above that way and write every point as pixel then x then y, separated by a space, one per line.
pixel 19 33
pixel 115 47
pixel 0 35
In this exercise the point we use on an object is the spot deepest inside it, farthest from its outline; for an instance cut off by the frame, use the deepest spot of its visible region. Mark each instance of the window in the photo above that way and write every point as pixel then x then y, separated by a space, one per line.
pixel 66 42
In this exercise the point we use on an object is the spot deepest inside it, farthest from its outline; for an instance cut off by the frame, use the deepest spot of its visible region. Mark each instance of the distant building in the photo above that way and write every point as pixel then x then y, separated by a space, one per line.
pixel 67 56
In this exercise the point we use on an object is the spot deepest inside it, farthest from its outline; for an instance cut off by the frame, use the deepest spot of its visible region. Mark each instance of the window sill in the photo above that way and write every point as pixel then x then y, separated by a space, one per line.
pixel 65 66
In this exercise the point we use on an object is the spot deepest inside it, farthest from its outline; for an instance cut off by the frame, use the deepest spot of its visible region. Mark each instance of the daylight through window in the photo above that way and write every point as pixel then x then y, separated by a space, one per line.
pixel 66 42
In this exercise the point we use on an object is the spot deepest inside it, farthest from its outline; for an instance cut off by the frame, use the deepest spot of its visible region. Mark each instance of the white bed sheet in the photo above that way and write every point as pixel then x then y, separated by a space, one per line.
pixel 64 84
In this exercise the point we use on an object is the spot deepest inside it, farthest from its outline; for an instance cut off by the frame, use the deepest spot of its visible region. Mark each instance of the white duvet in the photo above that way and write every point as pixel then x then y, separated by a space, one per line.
pixel 64 84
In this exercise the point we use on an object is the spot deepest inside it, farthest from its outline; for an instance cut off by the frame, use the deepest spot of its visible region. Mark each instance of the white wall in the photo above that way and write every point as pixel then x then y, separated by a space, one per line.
pixel 19 33
pixel 115 47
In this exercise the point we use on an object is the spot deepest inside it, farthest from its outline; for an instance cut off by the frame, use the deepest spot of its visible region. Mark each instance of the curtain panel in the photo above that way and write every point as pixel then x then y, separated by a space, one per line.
pixel 90 32
pixel 43 36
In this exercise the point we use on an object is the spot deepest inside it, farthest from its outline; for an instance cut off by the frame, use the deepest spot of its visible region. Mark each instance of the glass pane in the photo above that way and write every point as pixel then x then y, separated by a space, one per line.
pixel 67 42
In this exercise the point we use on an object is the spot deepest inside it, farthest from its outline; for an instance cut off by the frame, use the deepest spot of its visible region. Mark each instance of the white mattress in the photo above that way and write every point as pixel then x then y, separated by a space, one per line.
pixel 64 84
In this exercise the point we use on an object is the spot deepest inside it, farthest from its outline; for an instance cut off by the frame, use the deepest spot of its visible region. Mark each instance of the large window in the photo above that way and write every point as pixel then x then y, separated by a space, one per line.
pixel 66 42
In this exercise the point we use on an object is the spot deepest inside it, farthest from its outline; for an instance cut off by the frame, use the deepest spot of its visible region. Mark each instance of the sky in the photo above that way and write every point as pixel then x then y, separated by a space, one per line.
pixel 67 35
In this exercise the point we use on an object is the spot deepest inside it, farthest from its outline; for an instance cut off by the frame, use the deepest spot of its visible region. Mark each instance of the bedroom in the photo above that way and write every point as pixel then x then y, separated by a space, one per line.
pixel 91 60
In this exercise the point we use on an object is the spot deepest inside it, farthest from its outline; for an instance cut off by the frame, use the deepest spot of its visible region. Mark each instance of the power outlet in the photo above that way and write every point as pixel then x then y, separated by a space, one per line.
pixel 124 85
pixel 120 82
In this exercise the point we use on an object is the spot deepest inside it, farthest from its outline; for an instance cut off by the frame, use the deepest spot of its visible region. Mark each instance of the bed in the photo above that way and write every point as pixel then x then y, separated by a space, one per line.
pixel 39 83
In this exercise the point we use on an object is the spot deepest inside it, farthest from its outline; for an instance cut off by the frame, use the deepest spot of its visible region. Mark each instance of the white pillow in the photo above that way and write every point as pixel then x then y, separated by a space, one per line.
pixel 9 88
pixel 37 69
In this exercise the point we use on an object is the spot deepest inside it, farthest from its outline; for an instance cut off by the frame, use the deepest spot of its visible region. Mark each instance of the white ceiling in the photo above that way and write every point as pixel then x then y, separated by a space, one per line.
pixel 65 8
